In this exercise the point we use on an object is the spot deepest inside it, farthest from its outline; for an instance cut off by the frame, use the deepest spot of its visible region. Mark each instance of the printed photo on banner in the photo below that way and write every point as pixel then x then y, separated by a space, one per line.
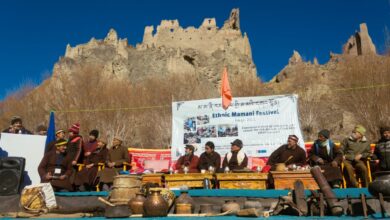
pixel 202 120
pixel 190 125
pixel 191 138
pixel 207 131
pixel 227 130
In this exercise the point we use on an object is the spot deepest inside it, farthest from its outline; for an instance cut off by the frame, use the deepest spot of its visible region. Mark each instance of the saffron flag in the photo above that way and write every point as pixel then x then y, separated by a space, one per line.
pixel 225 90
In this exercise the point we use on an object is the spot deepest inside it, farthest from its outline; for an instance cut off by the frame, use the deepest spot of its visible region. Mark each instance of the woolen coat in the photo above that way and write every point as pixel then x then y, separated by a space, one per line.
pixel 190 161
pixel 88 176
pixel 118 154
pixel 206 160
pixel 49 164
pixel 335 154
pixel 282 154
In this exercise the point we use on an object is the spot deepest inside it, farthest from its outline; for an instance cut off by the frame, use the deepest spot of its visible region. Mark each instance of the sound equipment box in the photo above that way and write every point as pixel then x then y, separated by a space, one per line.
pixel 11 175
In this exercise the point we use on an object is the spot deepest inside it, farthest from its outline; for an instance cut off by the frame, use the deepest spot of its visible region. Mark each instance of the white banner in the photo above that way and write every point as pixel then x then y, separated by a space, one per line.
pixel 263 124
pixel 31 147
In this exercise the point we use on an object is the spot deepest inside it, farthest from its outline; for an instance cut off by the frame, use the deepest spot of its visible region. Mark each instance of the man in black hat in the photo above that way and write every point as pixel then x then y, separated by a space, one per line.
pixel 91 144
pixel 325 154
pixel 289 154
pixel 236 159
pixel 188 160
pixel 382 150
pixel 16 127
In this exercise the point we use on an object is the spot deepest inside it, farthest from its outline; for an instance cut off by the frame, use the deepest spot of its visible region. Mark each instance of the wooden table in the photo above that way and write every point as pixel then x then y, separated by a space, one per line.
pixel 286 179
pixel 242 180
pixel 153 178
pixel 192 180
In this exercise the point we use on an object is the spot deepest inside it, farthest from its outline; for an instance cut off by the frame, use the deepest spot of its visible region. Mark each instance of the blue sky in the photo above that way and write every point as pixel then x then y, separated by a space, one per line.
pixel 35 33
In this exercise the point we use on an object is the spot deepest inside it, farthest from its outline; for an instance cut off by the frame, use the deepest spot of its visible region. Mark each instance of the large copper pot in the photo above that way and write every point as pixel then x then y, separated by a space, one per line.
pixel 155 205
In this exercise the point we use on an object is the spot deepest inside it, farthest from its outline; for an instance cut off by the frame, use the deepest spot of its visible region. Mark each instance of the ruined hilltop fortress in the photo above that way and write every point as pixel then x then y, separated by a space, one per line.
pixel 171 50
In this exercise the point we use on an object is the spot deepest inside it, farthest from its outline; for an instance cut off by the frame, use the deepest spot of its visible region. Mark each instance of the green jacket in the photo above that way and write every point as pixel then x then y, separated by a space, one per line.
pixel 351 148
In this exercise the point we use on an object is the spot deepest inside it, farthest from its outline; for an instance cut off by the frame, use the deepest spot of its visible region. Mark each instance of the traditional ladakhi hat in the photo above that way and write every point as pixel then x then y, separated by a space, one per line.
pixel 61 142
pixel 293 137
pixel 360 129
pixel 238 143
pixel 60 131
pixel 75 128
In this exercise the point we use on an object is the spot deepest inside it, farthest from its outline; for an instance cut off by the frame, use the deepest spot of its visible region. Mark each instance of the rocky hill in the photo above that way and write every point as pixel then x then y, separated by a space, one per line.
pixel 342 92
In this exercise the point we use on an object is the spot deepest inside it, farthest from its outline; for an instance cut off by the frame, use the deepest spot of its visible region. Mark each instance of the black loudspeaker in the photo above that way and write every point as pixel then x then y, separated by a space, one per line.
pixel 11 175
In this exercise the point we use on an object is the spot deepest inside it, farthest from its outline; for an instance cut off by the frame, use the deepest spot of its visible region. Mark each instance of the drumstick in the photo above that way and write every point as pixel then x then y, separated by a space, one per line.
pixel 106 202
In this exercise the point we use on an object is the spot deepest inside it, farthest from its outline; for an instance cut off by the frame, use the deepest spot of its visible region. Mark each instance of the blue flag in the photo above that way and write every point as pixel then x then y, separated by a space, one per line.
pixel 51 130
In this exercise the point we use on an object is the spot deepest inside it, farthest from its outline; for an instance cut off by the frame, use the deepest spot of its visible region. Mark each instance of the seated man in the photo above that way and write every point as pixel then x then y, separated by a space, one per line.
pixel 86 178
pixel 117 155
pixel 356 149
pixel 290 153
pixel 236 159
pixel 188 160
pixel 209 158
pixel 16 127
pixel 382 150
pixel 56 168
pixel 325 154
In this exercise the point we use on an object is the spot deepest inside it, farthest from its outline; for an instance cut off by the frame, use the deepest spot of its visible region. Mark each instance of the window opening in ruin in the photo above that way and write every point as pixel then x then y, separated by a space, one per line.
pixel 171 29
pixel 209 28
pixel 189 59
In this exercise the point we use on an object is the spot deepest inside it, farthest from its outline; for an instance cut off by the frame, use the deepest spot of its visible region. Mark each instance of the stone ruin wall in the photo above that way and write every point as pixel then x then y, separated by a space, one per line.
pixel 208 38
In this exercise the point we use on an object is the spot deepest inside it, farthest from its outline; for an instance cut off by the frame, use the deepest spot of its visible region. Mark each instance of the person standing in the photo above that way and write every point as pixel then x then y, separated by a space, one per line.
pixel 75 144
pixel 16 126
